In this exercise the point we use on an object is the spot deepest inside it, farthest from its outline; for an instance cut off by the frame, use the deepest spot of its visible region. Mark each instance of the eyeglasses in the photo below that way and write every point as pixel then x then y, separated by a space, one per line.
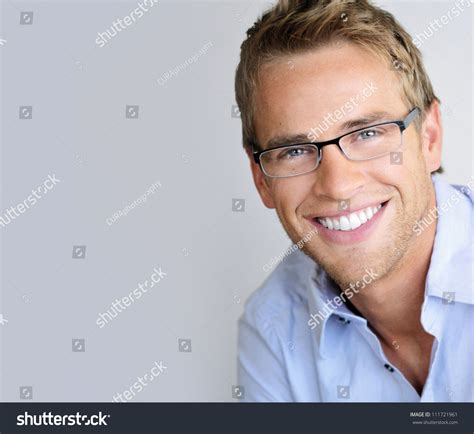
pixel 359 145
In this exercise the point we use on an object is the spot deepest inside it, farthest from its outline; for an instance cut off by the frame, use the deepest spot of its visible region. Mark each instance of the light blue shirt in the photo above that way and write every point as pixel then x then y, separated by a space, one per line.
pixel 281 358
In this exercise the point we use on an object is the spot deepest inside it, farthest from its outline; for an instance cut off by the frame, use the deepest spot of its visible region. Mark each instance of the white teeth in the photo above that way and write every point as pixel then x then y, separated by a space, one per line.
pixel 351 221
pixel 354 220
pixel 329 223
pixel 345 225
pixel 362 217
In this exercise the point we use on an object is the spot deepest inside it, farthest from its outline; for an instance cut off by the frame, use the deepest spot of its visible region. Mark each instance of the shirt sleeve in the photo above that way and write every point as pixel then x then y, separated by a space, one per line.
pixel 261 369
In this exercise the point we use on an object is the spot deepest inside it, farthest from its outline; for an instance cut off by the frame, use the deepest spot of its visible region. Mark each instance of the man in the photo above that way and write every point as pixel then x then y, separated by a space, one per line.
pixel 344 135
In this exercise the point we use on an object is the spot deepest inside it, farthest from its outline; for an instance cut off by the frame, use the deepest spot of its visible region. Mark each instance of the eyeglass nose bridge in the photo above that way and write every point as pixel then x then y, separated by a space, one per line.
pixel 320 147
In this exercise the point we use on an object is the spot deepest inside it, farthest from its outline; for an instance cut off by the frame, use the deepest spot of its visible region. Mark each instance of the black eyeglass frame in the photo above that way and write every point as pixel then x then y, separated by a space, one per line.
pixel 402 124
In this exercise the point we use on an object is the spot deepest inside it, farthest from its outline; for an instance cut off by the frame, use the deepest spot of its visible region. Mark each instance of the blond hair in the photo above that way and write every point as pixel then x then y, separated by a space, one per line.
pixel 298 26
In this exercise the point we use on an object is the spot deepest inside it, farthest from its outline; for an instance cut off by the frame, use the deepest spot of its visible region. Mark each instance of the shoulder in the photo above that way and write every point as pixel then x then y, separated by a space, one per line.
pixel 281 293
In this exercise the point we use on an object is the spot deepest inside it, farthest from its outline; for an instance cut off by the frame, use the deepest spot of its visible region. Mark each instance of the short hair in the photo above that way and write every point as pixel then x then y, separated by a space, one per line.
pixel 298 26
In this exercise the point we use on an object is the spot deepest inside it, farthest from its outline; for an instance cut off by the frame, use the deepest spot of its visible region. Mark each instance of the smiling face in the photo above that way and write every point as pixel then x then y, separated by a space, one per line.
pixel 364 211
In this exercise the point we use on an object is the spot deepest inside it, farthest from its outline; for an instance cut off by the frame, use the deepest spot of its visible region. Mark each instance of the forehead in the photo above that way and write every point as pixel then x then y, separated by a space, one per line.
pixel 296 93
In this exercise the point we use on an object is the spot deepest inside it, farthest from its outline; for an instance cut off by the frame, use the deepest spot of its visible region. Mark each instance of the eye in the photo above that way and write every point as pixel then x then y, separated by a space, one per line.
pixel 293 153
pixel 368 134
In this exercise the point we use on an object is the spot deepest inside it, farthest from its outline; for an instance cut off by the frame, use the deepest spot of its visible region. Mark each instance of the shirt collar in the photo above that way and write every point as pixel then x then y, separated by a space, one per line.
pixel 451 260
pixel 323 289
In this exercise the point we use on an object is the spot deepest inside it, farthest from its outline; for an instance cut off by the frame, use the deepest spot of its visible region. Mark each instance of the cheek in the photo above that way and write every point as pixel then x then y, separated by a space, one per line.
pixel 388 168
pixel 289 193
pixel 403 166
pixel 405 174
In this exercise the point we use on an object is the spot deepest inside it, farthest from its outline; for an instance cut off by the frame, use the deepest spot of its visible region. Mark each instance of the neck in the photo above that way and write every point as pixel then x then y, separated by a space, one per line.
pixel 392 307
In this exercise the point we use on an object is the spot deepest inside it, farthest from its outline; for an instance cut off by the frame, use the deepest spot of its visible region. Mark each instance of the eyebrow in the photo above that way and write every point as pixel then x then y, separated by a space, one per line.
pixel 371 118
pixel 348 126
pixel 287 140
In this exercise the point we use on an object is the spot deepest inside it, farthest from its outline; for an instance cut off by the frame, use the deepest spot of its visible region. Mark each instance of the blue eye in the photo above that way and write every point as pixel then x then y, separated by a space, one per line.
pixel 368 134
pixel 292 153
pixel 295 152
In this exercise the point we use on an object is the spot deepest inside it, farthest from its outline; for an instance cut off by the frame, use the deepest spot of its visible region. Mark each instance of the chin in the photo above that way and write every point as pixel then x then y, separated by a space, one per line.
pixel 349 268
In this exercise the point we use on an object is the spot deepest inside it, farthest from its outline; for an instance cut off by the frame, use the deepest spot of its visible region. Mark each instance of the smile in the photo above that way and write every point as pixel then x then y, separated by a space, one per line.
pixel 350 221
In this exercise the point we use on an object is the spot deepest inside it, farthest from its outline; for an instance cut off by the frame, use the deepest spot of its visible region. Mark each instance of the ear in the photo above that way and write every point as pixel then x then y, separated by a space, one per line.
pixel 432 137
pixel 260 181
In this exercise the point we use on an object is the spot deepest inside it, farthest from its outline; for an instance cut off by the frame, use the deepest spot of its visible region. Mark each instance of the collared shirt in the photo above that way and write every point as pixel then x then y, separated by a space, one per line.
pixel 282 358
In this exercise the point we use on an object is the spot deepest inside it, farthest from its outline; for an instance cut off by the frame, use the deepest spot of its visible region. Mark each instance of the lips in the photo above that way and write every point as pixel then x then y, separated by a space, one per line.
pixel 351 221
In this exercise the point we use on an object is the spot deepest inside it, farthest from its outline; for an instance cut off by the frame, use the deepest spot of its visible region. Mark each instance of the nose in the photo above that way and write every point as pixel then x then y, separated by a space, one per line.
pixel 337 177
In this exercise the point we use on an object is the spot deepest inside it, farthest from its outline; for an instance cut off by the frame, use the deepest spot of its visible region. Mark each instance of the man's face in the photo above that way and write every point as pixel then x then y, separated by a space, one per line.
pixel 303 92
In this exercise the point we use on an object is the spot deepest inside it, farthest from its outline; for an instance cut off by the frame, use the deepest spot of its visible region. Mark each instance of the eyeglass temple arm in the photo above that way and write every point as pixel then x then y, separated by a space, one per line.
pixel 410 117
pixel 256 154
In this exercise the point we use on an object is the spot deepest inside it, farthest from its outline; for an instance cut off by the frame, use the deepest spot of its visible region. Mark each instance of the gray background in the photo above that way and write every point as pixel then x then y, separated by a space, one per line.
pixel 185 138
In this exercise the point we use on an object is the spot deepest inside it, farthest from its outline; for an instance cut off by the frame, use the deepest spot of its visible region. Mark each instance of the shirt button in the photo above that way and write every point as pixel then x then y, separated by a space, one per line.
pixel 344 320
pixel 389 368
